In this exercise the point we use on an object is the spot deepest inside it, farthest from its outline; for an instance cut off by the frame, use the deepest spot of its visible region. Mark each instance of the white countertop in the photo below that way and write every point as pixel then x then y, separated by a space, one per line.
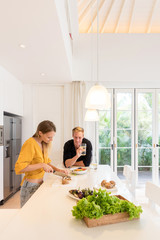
pixel 47 215
pixel 6 215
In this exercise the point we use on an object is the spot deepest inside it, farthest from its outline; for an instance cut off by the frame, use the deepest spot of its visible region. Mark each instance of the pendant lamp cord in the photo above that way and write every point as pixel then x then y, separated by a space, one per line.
pixel 97 41
pixel 91 43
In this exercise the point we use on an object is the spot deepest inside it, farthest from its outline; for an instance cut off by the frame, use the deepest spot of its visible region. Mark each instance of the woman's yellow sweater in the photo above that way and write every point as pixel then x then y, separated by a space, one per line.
pixel 31 153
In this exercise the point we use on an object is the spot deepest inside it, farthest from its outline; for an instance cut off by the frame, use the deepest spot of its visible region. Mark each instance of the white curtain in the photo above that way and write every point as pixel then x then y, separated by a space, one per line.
pixel 78 101
pixel 79 92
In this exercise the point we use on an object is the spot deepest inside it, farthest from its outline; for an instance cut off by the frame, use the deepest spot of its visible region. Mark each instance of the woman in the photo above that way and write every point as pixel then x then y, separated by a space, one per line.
pixel 33 160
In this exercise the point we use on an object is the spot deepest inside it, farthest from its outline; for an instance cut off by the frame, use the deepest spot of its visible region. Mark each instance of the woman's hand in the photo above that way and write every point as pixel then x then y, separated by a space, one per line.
pixel 47 168
pixel 64 171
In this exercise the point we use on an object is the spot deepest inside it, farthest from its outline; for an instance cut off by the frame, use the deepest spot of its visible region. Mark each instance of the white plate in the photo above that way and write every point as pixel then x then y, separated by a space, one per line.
pixel 114 189
pixel 75 170
pixel 72 196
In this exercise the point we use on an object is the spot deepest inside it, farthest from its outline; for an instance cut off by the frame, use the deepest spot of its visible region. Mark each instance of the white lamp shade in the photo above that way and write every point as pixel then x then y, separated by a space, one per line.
pixel 91 115
pixel 98 98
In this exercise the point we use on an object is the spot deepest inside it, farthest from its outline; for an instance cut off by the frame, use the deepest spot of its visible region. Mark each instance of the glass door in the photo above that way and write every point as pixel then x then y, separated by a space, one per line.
pixel 105 133
pixel 115 131
pixel 124 135
pixel 157 143
pixel 145 153
pixel 129 133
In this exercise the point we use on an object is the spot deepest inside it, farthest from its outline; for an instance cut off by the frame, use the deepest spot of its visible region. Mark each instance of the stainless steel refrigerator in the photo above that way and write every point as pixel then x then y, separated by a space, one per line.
pixel 12 145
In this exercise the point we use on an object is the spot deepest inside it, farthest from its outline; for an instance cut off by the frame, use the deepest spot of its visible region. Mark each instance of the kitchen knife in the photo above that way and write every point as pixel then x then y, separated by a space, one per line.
pixel 61 174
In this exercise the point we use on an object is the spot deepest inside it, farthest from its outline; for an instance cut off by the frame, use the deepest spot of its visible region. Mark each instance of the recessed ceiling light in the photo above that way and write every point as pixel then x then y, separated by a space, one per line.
pixel 22 46
pixel 42 74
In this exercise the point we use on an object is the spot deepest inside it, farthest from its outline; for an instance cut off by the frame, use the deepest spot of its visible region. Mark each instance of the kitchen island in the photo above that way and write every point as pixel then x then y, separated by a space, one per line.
pixel 47 215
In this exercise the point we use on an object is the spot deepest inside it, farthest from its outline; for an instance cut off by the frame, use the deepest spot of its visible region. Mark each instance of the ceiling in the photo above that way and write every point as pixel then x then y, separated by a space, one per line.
pixel 43 27
pixel 119 16
pixel 35 24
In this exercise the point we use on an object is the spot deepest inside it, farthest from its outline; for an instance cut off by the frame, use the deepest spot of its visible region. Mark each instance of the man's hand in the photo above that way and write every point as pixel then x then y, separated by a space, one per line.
pixel 79 151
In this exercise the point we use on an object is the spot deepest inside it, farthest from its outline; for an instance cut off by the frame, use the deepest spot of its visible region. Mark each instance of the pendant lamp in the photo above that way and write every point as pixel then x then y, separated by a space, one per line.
pixel 97 97
pixel 91 115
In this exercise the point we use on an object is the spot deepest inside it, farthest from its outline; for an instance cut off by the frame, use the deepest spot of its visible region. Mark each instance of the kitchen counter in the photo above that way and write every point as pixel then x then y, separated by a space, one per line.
pixel 47 215
pixel 6 215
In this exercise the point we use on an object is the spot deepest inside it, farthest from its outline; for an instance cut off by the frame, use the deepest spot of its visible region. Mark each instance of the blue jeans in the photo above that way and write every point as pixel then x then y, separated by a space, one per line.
pixel 27 190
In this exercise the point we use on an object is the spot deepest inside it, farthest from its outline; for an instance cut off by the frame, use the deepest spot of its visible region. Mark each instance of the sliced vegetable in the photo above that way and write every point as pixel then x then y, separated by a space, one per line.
pixel 81 193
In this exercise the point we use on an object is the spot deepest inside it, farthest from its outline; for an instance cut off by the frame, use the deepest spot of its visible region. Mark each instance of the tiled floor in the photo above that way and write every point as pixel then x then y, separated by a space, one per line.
pixel 12 203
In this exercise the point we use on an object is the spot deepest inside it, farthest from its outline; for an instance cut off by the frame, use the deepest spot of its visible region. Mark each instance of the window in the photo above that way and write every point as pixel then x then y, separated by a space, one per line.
pixel 129 133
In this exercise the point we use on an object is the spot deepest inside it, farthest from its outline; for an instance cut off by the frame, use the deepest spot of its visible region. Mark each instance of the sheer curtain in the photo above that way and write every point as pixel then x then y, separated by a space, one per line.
pixel 78 101
pixel 79 92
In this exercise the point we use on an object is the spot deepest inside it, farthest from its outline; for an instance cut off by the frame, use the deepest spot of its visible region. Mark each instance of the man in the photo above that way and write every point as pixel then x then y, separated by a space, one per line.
pixel 72 150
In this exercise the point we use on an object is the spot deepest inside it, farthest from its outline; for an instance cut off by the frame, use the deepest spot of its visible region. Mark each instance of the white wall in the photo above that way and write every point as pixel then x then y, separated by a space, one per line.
pixel 48 102
pixel 49 105
pixel 61 12
pixel 67 112
pixel 27 121
pixel 124 59
pixel 11 100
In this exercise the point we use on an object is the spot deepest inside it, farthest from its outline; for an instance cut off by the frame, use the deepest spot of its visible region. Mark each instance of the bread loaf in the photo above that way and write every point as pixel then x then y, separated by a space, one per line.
pixel 108 185
pixel 103 183
pixel 65 180
pixel 113 183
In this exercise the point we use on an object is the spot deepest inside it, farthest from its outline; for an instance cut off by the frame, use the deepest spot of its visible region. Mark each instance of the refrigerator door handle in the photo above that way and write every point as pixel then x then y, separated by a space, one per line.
pixel 7 151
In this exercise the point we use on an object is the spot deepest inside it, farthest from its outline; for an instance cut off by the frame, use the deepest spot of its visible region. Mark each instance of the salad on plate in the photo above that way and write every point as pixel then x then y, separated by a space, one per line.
pixel 79 170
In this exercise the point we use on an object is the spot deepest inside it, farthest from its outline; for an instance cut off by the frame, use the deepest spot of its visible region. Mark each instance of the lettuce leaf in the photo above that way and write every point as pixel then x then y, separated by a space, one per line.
pixel 101 203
